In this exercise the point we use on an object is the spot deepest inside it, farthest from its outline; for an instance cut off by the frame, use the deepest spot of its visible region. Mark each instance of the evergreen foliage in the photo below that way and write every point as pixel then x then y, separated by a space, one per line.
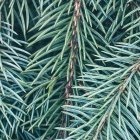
pixel 69 69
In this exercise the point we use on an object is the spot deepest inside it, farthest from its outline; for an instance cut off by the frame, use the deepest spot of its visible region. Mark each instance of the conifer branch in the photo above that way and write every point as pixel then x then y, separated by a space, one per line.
pixel 121 88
